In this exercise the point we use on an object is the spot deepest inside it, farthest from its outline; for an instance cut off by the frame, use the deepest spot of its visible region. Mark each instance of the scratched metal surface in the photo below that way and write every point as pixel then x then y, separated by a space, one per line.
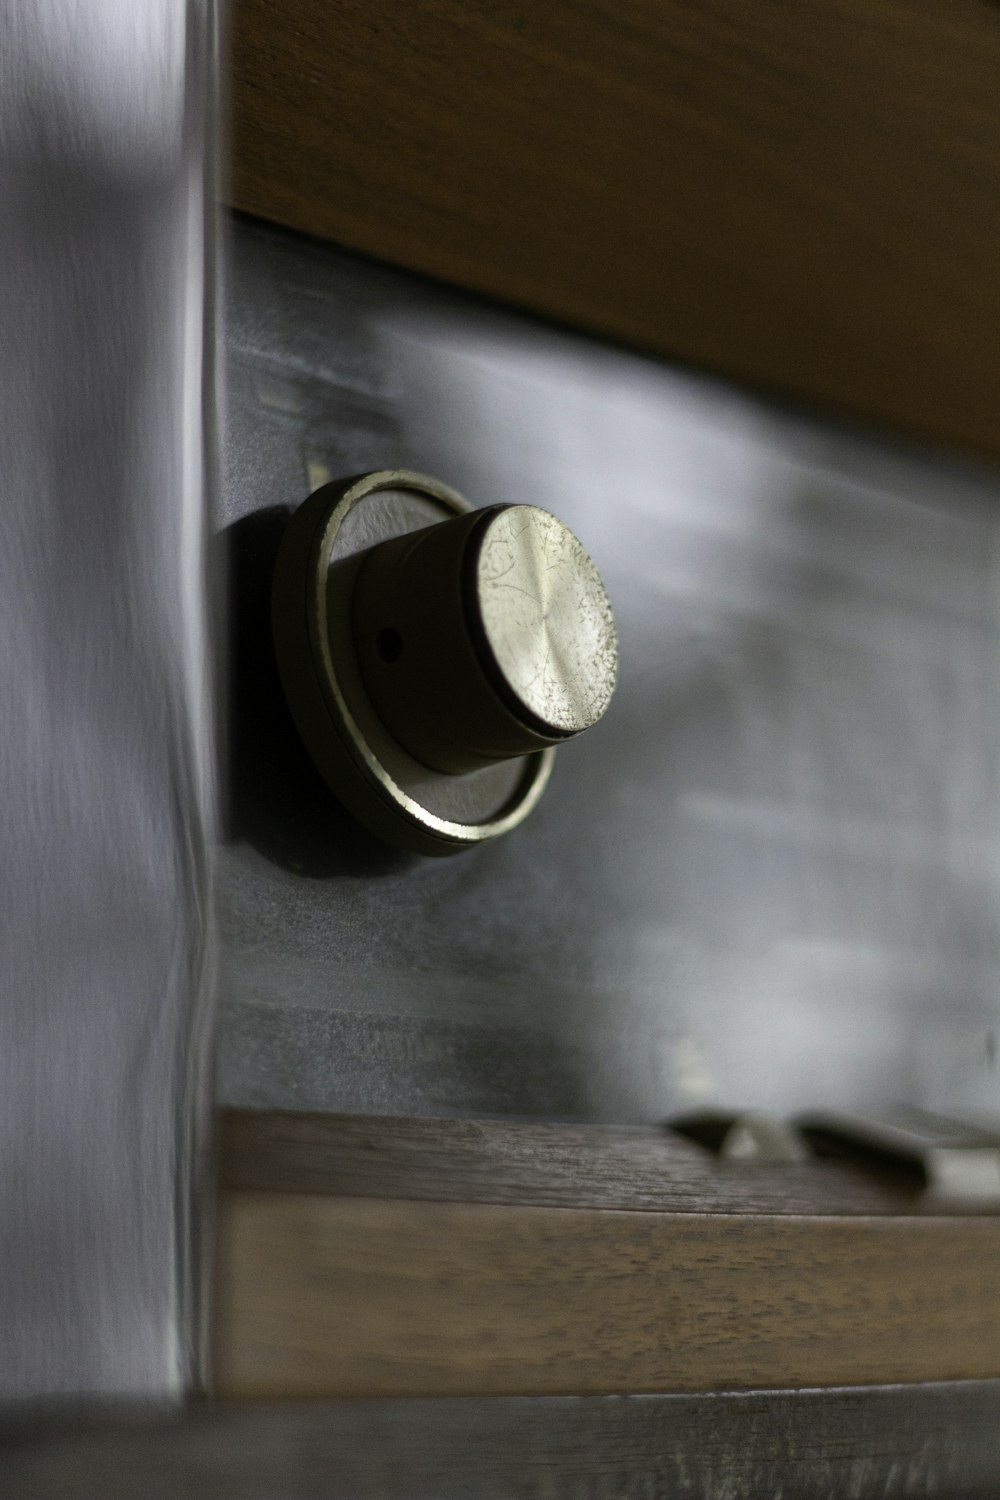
pixel 768 878
pixel 104 745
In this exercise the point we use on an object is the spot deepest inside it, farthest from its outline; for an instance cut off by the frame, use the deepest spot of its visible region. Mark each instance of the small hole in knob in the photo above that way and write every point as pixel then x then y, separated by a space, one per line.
pixel 389 645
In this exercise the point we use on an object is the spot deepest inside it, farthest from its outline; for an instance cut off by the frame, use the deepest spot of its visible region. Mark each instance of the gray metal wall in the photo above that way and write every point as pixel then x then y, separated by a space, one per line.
pixel 768 878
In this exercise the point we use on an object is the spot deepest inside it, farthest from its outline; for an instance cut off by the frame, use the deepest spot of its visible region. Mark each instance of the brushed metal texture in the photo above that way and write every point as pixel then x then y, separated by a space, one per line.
pixel 546 620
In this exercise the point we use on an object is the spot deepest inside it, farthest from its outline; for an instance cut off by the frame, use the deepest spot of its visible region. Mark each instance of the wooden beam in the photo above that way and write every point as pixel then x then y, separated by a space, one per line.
pixel 447 1257
pixel 533 1162
pixel 805 196
pixel 361 1297
pixel 936 1441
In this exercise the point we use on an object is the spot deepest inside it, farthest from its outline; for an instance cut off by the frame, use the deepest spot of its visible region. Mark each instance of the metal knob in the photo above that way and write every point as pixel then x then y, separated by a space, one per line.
pixel 433 656
pixel 485 637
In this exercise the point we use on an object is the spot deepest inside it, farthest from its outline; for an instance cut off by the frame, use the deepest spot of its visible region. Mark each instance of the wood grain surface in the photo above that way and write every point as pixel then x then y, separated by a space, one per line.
pixel 541 1163
pixel 940 1442
pixel 324 1296
pixel 805 196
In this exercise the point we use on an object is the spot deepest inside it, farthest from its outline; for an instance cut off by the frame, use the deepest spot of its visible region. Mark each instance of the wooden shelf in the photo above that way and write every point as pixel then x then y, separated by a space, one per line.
pixel 805 197
pixel 464 1288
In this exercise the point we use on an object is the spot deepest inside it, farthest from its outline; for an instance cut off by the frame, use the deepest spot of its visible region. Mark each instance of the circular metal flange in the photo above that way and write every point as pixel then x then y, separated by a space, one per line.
pixel 387 789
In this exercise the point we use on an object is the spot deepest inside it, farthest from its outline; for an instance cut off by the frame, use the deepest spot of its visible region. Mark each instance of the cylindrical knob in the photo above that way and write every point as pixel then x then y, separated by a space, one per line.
pixel 484 637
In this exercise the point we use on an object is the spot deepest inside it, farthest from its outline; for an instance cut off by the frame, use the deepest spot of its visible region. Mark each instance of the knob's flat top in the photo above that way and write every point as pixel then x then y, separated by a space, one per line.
pixel 547 619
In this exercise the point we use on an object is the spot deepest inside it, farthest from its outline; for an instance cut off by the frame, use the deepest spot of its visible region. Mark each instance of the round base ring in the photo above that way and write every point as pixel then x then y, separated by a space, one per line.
pixel 397 798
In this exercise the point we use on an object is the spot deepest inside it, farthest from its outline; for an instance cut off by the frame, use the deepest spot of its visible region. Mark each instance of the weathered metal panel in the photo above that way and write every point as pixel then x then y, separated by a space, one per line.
pixel 767 878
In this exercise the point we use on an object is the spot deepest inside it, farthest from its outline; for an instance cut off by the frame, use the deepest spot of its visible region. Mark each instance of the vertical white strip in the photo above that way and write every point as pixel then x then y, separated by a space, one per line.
pixel 104 730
